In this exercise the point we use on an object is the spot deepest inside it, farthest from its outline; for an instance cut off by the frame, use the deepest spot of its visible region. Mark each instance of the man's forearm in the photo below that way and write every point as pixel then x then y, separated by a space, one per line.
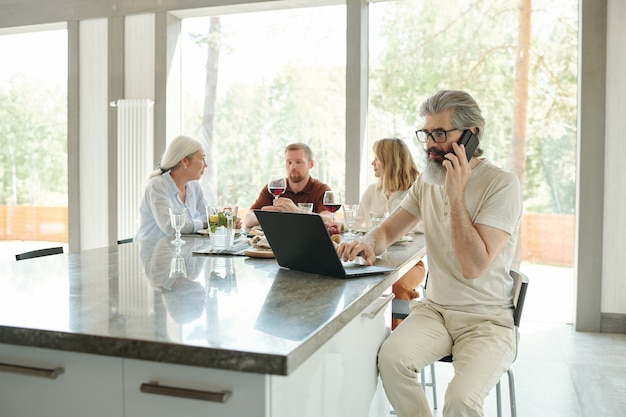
pixel 468 245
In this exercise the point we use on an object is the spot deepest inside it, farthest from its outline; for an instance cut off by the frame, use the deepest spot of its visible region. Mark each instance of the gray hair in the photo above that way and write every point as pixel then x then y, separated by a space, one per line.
pixel 466 113
pixel 179 148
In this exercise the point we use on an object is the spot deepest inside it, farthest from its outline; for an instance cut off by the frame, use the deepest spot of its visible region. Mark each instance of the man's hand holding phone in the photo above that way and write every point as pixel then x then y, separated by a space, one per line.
pixel 457 164
pixel 470 142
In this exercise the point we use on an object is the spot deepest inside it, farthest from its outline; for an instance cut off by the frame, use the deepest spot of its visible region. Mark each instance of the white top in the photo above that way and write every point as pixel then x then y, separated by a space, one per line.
pixel 161 193
pixel 376 201
pixel 493 197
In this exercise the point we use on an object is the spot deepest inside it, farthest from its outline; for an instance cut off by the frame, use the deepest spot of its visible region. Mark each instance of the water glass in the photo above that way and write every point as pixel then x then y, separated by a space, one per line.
pixel 349 213
pixel 305 207
pixel 177 218
pixel 178 268
pixel 223 279
pixel 377 218
pixel 222 222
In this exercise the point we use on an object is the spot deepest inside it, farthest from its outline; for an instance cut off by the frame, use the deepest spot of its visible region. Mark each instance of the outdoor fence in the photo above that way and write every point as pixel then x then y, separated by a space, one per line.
pixel 48 224
pixel 546 238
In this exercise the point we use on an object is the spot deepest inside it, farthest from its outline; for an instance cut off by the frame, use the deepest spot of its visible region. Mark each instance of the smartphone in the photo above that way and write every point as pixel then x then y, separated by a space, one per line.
pixel 470 141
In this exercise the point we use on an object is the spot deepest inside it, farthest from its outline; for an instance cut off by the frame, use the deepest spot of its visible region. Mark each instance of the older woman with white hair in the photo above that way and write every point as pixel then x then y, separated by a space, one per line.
pixel 174 184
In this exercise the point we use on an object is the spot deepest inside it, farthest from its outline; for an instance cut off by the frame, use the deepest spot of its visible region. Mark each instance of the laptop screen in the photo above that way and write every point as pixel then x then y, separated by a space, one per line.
pixel 301 242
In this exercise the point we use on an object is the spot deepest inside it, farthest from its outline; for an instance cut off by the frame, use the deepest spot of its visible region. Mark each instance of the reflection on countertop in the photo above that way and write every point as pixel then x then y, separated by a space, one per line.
pixel 228 312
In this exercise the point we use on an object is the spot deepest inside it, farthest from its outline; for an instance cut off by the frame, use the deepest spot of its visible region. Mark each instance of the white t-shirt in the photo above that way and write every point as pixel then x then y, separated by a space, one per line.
pixel 493 198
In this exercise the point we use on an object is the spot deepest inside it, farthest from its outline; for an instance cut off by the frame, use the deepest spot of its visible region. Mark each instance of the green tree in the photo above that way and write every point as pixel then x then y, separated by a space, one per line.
pixel 299 102
pixel 471 45
pixel 33 145
pixel 255 123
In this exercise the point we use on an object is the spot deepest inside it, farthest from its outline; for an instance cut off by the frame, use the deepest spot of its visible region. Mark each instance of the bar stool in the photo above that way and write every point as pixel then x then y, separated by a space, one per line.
pixel 400 310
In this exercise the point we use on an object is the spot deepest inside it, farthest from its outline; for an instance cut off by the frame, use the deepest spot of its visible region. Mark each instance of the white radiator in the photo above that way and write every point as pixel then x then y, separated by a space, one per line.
pixel 135 139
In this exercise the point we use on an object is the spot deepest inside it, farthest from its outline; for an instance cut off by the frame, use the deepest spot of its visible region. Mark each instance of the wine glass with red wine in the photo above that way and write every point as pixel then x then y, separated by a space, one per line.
pixel 277 186
pixel 332 202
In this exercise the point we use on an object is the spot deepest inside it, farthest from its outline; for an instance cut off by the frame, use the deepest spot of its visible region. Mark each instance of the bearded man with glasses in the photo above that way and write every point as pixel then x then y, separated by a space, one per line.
pixel 471 212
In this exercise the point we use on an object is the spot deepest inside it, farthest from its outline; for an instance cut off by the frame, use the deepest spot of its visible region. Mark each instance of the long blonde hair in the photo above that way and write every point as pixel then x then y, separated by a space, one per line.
pixel 399 169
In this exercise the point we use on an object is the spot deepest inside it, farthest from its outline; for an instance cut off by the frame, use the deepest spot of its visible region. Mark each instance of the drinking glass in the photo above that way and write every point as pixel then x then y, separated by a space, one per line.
pixel 222 222
pixel 349 211
pixel 223 278
pixel 332 202
pixel 305 207
pixel 177 218
pixel 277 186
pixel 178 268
pixel 377 218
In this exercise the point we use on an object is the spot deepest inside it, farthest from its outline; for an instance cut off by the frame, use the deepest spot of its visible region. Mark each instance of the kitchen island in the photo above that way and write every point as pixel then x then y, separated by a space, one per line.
pixel 119 331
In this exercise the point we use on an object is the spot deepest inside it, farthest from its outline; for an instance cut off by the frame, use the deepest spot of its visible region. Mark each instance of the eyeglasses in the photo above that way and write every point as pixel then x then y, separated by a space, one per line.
pixel 439 136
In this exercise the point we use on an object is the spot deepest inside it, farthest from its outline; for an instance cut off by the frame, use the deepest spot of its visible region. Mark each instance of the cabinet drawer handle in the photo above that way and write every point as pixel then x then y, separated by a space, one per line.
pixel 156 388
pixel 27 370
pixel 380 308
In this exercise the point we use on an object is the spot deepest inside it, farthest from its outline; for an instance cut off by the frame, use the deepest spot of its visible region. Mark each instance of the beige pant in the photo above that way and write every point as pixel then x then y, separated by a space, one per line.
pixel 483 347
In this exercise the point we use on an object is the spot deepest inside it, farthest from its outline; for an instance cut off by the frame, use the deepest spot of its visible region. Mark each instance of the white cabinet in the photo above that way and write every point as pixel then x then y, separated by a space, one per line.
pixel 52 383
pixel 338 380
pixel 226 393
pixel 341 377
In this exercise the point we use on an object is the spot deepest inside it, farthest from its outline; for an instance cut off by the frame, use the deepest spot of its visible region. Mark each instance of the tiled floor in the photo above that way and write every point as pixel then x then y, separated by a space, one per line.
pixel 559 372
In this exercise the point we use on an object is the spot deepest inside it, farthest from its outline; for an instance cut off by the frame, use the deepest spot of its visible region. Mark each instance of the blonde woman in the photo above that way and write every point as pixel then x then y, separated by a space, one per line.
pixel 396 171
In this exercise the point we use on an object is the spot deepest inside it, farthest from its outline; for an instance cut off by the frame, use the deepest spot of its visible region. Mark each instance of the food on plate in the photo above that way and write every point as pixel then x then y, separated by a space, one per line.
pixel 256 231
pixel 260 242
pixel 333 229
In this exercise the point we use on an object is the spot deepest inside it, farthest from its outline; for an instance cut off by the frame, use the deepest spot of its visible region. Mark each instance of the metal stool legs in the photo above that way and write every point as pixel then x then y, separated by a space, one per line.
pixel 432 384
pixel 511 395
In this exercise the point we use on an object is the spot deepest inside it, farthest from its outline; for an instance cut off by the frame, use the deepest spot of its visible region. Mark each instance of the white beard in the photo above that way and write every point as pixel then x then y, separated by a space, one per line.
pixel 434 173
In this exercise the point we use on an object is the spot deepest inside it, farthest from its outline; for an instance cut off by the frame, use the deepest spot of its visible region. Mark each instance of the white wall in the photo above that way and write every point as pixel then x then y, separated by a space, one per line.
pixel 614 242
pixel 139 58
pixel 93 133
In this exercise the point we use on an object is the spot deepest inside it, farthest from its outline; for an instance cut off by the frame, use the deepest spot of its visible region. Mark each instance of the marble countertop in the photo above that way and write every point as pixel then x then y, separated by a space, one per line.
pixel 234 313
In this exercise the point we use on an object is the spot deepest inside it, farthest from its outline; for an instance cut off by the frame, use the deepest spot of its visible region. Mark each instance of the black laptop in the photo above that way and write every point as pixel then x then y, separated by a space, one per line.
pixel 301 242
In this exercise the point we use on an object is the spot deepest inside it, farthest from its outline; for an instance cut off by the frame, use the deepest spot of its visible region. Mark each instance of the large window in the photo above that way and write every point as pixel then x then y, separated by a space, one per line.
pixel 277 77
pixel 257 81
pixel 33 141
pixel 417 48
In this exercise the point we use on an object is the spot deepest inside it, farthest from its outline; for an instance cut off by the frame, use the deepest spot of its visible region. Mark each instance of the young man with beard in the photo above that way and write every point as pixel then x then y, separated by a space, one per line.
pixel 301 187
pixel 471 213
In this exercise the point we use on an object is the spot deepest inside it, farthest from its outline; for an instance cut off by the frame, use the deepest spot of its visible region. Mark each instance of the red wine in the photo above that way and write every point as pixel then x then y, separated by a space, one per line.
pixel 276 191
pixel 332 207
